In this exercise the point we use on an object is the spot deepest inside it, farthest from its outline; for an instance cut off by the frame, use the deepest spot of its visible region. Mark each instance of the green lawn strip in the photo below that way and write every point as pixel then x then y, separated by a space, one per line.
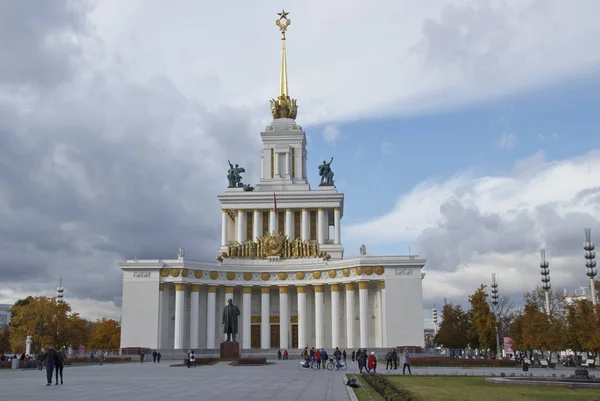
pixel 361 392
pixel 442 388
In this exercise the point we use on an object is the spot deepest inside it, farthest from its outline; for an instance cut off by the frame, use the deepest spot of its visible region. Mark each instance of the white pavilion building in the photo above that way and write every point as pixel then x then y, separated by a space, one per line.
pixel 280 265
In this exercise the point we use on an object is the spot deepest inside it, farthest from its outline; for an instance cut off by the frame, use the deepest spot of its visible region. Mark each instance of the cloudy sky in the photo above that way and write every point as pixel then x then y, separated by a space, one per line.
pixel 462 129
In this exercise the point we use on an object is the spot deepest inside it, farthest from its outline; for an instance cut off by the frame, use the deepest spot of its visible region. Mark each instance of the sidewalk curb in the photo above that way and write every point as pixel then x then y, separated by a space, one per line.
pixel 350 390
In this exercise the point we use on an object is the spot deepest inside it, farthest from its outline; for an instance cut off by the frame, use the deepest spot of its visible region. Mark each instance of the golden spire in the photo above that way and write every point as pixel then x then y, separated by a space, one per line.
pixel 283 106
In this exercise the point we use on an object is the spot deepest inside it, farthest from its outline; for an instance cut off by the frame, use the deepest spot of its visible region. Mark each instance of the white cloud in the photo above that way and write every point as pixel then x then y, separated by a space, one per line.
pixel 386 148
pixel 507 140
pixel 469 226
pixel 331 134
pixel 405 57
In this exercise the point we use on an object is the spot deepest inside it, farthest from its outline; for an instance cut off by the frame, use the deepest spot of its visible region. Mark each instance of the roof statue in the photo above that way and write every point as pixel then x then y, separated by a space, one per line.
pixel 283 106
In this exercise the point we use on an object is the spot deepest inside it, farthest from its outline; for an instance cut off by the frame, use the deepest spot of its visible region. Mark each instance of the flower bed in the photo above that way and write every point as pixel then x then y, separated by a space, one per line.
pixel 387 390
pixel 460 362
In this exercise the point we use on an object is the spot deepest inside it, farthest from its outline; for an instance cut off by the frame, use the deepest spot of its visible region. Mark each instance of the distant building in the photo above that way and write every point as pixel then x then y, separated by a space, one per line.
pixel 4 316
pixel 429 336
pixel 580 294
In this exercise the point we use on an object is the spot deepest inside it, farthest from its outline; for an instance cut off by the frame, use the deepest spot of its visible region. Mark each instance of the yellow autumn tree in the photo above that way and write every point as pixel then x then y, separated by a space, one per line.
pixel 105 334
pixel 483 321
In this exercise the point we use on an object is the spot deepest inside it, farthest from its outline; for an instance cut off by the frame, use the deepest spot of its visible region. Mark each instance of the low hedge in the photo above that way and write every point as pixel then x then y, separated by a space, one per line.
pixel 251 360
pixel 387 390
pixel 460 362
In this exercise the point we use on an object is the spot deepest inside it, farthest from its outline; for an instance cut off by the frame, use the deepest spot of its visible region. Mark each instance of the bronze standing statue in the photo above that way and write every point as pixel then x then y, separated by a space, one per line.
pixel 326 174
pixel 230 320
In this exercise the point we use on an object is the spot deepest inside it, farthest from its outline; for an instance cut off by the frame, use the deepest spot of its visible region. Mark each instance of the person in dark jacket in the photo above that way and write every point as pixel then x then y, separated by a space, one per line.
pixel 51 359
pixel 395 358
pixel 60 361
pixel 353 356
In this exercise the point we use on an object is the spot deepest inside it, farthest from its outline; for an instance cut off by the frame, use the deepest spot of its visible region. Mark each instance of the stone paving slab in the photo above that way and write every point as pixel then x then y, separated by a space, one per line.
pixel 148 381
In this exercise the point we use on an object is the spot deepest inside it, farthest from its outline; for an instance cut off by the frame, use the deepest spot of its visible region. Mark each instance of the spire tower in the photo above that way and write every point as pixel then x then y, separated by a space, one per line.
pixel 283 106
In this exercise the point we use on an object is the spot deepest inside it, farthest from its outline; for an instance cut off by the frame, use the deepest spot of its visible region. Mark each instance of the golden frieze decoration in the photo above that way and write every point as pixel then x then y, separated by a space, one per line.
pixel 282 276
pixel 214 275
pixel 164 272
pixel 379 270
pixel 274 245
pixel 230 276
pixel 198 274
pixel 300 276
pixel 247 276
pixel 184 272
pixel 368 270
pixel 317 274
pixel 358 271
pixel 346 272
pixel 174 272
pixel 332 273
pixel 265 276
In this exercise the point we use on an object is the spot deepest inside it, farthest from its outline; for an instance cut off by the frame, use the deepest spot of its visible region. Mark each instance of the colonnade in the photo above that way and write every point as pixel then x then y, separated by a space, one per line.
pixel 319 234
pixel 244 323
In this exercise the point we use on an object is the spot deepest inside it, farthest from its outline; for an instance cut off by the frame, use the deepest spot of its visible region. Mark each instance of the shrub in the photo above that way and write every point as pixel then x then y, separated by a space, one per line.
pixel 387 390
pixel 460 362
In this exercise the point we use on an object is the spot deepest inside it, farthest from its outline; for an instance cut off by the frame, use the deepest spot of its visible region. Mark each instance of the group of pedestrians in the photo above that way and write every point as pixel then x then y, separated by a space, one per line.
pixel 54 361
pixel 368 362
pixel 320 357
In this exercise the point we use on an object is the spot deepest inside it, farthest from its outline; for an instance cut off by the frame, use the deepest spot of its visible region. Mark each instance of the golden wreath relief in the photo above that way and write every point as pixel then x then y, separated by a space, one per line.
pixel 274 244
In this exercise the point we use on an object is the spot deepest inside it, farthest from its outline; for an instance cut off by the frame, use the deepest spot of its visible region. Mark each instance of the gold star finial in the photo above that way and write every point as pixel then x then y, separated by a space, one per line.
pixel 283 25
pixel 282 14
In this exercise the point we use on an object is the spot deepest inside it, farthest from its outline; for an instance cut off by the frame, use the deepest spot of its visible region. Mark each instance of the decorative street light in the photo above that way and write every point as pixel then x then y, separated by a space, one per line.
pixel 545 279
pixel 435 319
pixel 495 303
pixel 590 263
pixel 60 291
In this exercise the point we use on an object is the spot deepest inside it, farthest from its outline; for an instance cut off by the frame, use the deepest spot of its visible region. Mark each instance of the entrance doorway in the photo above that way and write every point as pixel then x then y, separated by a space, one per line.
pixel 275 336
pixel 255 336
pixel 295 336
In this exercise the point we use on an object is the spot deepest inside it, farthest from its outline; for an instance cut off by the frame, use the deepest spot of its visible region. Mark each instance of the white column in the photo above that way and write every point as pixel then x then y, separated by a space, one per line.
pixel 288 170
pixel 383 315
pixel 273 221
pixel 337 229
pixel 276 164
pixel 319 316
pixel 284 318
pixel 335 315
pixel 257 227
pixel 241 226
pixel 305 225
pixel 211 304
pixel 194 315
pixel 363 304
pixel 179 315
pixel 301 317
pixel 350 315
pixel 161 291
pixel 320 225
pixel 265 315
pixel 246 315
pixel 289 224
pixel 224 225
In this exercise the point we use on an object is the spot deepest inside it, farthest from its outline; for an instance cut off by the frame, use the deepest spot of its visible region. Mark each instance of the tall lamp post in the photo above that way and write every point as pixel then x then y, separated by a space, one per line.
pixel 545 279
pixel 590 262
pixel 495 303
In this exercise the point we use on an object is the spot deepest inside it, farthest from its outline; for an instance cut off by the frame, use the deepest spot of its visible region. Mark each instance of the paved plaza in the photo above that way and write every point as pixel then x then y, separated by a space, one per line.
pixel 135 381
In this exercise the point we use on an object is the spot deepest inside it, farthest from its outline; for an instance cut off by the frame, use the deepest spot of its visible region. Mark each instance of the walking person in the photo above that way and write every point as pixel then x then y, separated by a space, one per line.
pixel 102 357
pixel 388 360
pixel 394 358
pixel 337 355
pixel 158 356
pixel 154 355
pixel 372 363
pixel 50 359
pixel 91 357
pixel 324 357
pixel 406 362
pixel 192 360
pixel 353 356
pixel 60 362
pixel 344 356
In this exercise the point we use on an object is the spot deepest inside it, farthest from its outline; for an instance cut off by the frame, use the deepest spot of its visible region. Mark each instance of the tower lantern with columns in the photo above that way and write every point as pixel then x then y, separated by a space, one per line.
pixel 281 259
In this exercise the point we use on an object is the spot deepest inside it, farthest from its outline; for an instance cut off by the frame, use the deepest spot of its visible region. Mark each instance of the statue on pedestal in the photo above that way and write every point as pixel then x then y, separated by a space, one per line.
pixel 230 320
pixel 234 176
pixel 326 174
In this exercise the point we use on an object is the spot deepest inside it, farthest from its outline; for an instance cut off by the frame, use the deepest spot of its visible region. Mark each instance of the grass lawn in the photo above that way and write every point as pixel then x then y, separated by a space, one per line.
pixel 443 388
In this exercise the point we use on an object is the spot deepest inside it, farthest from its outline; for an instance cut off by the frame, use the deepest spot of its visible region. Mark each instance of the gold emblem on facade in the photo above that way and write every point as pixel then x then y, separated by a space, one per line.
pixel 379 270
pixel 317 274
pixel 332 274
pixel 346 272
pixel 282 276
pixel 198 274
pixel 164 272
pixel 230 276
pixel 272 245
pixel 300 276
pixel 358 271
pixel 247 276
pixel 174 272
pixel 265 276
pixel 184 272
pixel 368 270
pixel 214 275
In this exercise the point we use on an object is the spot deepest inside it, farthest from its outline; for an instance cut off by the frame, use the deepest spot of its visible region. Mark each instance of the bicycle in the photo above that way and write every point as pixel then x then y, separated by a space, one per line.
pixel 312 364
pixel 331 364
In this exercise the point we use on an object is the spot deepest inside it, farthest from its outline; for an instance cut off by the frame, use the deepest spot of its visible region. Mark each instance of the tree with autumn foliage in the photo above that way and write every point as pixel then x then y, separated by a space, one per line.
pixel 483 321
pixel 583 326
pixel 105 334
pixel 453 331
pixel 48 322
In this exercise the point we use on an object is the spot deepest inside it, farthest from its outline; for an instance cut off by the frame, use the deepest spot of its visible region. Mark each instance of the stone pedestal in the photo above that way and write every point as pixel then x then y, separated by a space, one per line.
pixel 230 351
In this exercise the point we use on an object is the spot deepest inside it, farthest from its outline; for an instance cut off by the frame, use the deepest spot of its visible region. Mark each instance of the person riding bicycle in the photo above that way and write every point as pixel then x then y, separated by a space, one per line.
pixel 338 356
pixel 306 357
